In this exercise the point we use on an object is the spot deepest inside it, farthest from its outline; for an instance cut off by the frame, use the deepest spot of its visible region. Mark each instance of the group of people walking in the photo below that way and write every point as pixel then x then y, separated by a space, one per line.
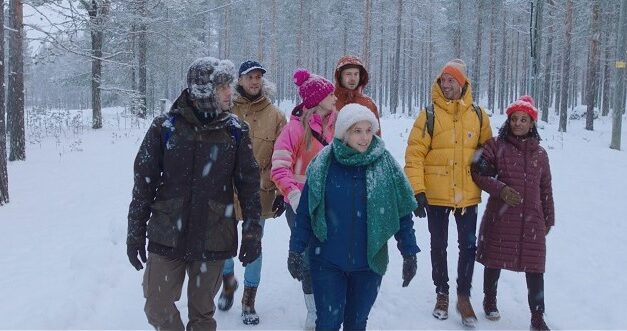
pixel 215 159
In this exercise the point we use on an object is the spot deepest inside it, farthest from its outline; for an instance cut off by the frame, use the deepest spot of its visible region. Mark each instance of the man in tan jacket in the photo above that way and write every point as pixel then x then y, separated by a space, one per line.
pixel 265 121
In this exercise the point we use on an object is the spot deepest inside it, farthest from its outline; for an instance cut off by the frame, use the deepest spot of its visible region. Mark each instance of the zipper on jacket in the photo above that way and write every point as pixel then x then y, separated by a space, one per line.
pixel 353 221
pixel 524 202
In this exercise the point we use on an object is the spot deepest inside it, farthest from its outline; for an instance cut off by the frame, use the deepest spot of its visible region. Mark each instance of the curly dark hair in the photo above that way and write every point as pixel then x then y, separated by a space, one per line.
pixel 504 131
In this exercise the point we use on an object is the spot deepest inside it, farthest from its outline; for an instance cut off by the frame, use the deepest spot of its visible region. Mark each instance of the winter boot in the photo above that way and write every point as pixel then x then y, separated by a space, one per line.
pixel 229 286
pixel 537 322
pixel 464 307
pixel 249 315
pixel 441 307
pixel 489 307
pixel 310 322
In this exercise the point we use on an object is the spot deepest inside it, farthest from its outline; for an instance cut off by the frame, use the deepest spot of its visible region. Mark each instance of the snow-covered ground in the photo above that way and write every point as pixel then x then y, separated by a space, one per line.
pixel 64 264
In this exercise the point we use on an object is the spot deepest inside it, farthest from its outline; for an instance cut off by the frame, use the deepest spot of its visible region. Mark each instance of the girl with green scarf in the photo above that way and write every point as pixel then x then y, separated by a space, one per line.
pixel 355 199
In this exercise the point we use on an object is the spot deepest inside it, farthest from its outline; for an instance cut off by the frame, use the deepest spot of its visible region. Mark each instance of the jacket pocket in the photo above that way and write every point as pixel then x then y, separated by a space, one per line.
pixel 166 222
pixel 221 231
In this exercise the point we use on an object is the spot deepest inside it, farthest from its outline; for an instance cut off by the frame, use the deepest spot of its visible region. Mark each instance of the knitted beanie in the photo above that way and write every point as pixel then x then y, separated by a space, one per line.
pixel 457 69
pixel 351 114
pixel 311 88
pixel 524 104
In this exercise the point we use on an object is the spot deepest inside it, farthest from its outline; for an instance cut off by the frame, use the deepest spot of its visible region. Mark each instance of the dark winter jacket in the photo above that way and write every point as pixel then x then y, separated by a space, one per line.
pixel 183 193
pixel 346 217
pixel 513 238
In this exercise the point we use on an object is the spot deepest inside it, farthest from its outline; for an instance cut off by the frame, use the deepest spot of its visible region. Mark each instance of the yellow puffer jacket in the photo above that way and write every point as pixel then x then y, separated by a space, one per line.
pixel 440 165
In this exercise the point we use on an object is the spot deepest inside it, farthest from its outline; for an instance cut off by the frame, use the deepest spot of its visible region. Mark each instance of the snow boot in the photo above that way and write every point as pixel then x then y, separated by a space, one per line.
pixel 464 307
pixel 229 286
pixel 441 307
pixel 489 307
pixel 537 322
pixel 310 322
pixel 249 315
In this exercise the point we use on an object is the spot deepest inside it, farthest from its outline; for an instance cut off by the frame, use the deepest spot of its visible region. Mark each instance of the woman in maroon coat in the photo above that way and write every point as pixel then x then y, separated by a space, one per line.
pixel 514 169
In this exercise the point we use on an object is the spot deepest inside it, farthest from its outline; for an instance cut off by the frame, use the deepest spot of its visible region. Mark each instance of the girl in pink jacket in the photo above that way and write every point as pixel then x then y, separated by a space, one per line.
pixel 310 128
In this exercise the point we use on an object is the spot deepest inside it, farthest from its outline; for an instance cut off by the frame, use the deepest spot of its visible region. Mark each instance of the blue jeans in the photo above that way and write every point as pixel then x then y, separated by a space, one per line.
pixel 466 220
pixel 252 271
pixel 341 296
pixel 306 282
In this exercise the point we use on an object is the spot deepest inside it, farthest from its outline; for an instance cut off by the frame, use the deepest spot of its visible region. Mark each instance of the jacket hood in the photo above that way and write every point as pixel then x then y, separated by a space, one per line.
pixel 183 106
pixel 441 101
pixel 355 61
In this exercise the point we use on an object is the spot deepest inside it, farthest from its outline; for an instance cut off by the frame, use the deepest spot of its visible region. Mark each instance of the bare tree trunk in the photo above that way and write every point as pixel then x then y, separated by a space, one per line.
pixel 536 50
pixel 568 25
pixel 299 36
pixel 142 48
pixel 492 58
pixel 502 89
pixel 457 34
pixel 476 77
pixel 619 104
pixel 381 54
pixel 97 11
pixel 15 102
pixel 605 98
pixel 365 53
pixel 593 65
pixel 397 58
pixel 4 175
pixel 261 32
pixel 546 95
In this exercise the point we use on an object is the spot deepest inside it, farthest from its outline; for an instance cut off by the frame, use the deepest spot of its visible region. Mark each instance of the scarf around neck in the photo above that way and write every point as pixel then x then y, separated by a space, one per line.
pixel 388 194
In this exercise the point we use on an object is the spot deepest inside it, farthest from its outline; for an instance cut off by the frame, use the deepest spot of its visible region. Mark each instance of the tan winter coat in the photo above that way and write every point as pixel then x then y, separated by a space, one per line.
pixel 265 121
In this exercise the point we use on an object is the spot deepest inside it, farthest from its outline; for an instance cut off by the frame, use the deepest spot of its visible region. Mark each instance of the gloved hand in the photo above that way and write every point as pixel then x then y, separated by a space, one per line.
pixel 278 206
pixel 421 210
pixel 294 197
pixel 409 269
pixel 295 263
pixel 483 167
pixel 250 248
pixel 510 196
pixel 132 250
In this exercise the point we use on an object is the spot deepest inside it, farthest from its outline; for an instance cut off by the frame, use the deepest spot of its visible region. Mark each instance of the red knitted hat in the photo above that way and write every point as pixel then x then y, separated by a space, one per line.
pixel 312 88
pixel 524 104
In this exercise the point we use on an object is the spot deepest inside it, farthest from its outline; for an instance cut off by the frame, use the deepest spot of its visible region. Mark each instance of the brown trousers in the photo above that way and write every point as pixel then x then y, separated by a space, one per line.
pixel 163 282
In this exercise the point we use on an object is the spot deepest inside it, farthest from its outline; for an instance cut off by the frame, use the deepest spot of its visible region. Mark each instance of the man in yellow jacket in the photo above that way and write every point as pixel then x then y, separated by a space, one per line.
pixel 437 162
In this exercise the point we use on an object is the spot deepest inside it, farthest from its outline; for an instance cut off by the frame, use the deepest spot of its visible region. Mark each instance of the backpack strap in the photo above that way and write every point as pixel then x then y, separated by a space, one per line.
pixel 319 138
pixel 479 113
pixel 167 129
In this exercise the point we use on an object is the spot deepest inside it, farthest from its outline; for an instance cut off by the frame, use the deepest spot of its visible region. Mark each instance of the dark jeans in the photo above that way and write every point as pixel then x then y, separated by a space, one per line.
pixel 466 220
pixel 535 287
pixel 306 282
pixel 342 297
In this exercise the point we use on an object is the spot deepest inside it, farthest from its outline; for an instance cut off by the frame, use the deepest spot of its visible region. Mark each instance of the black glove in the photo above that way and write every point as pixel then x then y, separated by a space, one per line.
pixel 250 248
pixel 421 210
pixel 295 263
pixel 409 269
pixel 132 250
pixel 278 206
pixel 483 167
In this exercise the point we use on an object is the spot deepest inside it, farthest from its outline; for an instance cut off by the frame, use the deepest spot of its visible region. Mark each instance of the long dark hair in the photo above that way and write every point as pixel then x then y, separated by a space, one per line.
pixel 504 131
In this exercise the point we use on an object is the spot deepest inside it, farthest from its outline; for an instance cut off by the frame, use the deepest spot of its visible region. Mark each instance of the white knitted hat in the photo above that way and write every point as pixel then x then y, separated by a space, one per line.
pixel 351 114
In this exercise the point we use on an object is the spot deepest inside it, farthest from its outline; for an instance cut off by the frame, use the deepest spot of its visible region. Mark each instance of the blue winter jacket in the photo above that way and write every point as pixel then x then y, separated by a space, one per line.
pixel 346 217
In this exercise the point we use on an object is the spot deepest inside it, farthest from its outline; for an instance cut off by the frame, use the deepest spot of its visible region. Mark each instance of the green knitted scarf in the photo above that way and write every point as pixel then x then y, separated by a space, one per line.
pixel 389 195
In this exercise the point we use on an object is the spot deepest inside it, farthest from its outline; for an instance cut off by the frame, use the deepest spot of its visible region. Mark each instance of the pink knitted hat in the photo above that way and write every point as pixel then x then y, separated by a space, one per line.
pixel 524 104
pixel 311 88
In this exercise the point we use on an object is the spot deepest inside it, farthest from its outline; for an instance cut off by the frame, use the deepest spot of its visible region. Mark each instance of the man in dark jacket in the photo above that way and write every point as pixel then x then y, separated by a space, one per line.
pixel 183 198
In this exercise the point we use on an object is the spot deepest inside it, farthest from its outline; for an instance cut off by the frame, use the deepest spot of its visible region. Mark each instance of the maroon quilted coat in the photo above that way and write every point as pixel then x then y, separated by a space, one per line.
pixel 513 238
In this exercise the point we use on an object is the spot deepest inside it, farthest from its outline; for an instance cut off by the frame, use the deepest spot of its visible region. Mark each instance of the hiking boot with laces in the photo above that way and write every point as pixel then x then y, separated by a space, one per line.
pixel 489 307
pixel 537 322
pixel 464 307
pixel 441 307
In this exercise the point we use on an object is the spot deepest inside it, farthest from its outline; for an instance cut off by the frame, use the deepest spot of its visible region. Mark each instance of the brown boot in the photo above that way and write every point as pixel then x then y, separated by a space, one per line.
pixel 489 307
pixel 464 307
pixel 229 286
pixel 249 315
pixel 441 307
pixel 537 322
